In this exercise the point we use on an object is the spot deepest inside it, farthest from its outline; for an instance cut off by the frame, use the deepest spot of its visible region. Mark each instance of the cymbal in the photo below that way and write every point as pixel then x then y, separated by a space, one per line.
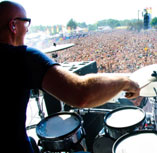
pixel 145 80
pixel 58 48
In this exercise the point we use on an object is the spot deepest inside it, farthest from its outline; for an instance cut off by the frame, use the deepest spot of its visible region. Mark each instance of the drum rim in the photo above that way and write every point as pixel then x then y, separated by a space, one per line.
pixel 65 135
pixel 121 108
pixel 127 135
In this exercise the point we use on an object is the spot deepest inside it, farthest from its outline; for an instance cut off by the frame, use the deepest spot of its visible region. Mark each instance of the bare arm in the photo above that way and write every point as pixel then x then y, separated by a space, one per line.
pixel 85 91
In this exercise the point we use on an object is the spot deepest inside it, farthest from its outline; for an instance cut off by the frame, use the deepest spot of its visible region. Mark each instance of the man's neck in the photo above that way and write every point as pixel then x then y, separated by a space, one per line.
pixel 6 40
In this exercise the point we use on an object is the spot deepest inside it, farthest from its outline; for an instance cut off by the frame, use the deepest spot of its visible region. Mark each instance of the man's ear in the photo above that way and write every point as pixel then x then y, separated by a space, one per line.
pixel 12 26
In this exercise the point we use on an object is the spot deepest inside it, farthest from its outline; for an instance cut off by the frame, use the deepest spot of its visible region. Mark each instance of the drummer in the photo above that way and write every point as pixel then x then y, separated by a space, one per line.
pixel 26 68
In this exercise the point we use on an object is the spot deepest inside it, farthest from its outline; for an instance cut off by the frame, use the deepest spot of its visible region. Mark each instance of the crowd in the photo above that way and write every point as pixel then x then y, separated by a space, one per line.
pixel 116 51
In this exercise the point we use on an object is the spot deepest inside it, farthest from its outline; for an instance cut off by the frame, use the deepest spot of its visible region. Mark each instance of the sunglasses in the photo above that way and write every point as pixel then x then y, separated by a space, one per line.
pixel 26 20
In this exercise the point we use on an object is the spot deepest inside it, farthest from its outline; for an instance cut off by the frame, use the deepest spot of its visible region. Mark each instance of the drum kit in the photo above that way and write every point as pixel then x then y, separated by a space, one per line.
pixel 125 129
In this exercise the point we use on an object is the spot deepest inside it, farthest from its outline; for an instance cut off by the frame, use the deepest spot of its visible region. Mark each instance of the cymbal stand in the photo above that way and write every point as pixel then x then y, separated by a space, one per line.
pixel 55 56
pixel 40 111
pixel 154 109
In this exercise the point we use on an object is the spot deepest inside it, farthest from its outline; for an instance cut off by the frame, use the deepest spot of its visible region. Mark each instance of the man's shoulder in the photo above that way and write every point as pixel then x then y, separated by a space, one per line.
pixel 8 47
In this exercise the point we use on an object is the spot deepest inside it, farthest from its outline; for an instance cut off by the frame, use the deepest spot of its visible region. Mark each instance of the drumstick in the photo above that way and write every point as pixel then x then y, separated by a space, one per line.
pixel 129 94
pixel 150 81
pixel 146 85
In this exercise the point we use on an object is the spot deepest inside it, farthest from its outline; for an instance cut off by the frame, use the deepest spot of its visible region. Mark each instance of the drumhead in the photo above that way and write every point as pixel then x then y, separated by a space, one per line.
pixel 137 142
pixel 58 125
pixel 124 117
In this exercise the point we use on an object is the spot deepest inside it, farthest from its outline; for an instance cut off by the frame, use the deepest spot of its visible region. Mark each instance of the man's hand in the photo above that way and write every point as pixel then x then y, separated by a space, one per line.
pixel 133 90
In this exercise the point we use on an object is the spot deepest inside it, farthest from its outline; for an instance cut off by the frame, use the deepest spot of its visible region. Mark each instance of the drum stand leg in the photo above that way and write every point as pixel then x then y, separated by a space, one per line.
pixel 155 112
pixel 41 113
pixel 62 106
pixel 155 109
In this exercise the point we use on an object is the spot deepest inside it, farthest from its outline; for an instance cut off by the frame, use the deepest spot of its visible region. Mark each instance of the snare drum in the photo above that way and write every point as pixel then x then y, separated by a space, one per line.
pixel 136 142
pixel 60 131
pixel 124 120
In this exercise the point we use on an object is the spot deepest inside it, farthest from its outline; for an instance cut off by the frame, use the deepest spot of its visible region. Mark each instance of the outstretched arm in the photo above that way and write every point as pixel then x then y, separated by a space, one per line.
pixel 86 91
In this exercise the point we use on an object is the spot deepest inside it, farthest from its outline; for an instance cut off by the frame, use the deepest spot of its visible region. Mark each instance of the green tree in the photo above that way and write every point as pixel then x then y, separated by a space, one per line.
pixel 113 23
pixel 92 27
pixel 102 23
pixel 72 24
pixel 154 22
pixel 135 25
pixel 82 25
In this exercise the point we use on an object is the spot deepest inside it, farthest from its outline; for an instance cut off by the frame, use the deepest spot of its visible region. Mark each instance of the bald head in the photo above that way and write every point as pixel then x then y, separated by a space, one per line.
pixel 8 11
pixel 12 31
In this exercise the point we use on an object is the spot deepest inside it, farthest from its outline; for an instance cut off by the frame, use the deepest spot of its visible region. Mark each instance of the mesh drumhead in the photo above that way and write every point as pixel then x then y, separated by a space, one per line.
pixel 125 117
pixel 137 143
pixel 58 125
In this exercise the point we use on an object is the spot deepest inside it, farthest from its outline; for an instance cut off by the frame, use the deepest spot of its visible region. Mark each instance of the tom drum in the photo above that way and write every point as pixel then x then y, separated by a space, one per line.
pixel 136 142
pixel 124 120
pixel 60 131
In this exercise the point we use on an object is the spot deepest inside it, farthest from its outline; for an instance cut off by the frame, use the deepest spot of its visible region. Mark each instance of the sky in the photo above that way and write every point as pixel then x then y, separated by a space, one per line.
pixel 53 12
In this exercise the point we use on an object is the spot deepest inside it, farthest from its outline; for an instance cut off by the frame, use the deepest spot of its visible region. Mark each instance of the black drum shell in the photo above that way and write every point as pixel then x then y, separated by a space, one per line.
pixel 123 137
pixel 103 144
pixel 64 142
pixel 119 131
